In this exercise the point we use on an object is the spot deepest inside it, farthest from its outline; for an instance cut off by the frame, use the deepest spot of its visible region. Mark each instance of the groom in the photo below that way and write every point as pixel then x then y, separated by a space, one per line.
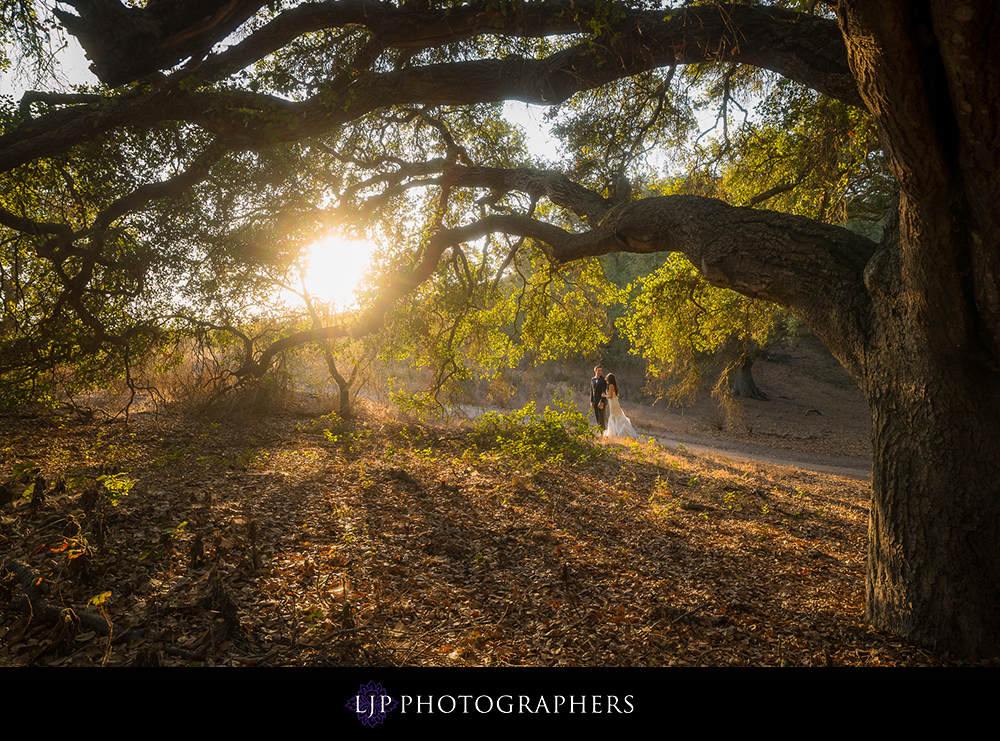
pixel 597 388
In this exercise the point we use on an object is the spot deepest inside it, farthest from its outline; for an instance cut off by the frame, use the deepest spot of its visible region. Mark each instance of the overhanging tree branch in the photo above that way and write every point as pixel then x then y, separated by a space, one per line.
pixel 803 48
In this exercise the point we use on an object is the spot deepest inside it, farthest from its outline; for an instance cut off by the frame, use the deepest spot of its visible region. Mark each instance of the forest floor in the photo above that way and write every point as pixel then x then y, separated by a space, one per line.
pixel 305 541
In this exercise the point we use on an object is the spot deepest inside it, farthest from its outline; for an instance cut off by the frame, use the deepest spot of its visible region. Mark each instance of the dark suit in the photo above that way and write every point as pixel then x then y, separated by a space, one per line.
pixel 597 388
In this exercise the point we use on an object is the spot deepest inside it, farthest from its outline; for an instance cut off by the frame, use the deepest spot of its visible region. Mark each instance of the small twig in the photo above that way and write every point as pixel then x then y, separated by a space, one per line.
pixel 689 612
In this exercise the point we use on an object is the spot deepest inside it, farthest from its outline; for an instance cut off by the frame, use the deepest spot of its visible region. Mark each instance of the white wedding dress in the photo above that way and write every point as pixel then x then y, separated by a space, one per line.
pixel 618 424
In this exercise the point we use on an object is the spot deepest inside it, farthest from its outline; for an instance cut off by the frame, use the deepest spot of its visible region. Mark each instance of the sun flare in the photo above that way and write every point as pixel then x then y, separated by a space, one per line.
pixel 334 268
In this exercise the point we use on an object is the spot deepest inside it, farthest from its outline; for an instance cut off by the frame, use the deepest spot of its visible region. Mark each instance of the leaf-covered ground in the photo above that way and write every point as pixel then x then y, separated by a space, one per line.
pixel 308 542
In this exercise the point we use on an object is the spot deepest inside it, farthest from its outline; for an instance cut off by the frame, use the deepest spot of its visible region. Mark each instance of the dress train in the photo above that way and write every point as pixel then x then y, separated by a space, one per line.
pixel 618 425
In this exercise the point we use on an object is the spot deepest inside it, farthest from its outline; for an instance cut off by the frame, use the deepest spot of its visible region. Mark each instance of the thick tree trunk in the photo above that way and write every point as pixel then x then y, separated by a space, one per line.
pixel 931 356
pixel 742 381
pixel 934 537
pixel 933 387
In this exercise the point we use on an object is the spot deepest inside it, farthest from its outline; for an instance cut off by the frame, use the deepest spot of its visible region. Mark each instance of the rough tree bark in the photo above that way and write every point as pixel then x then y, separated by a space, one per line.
pixel 127 43
pixel 932 356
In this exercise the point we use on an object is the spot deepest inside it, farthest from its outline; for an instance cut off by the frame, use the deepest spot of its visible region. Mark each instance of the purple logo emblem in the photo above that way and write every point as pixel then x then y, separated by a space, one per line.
pixel 371 704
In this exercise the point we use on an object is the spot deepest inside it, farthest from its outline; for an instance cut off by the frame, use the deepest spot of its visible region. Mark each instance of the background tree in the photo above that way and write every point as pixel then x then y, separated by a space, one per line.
pixel 191 116
pixel 679 323
pixel 795 151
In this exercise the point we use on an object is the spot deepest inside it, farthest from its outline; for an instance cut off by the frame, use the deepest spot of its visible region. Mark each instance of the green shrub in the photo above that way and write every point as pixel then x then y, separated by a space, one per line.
pixel 555 434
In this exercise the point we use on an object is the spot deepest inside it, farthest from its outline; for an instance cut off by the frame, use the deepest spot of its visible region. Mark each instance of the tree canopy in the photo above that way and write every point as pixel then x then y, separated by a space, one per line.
pixel 226 135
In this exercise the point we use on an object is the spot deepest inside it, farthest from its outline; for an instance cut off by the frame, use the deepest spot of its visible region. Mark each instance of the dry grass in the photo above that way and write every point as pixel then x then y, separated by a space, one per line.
pixel 283 542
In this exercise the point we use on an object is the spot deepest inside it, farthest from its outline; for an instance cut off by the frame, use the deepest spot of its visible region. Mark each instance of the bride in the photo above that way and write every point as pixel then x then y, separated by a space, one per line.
pixel 618 425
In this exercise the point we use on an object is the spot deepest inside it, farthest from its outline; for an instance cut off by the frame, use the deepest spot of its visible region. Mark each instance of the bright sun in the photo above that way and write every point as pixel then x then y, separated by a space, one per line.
pixel 334 269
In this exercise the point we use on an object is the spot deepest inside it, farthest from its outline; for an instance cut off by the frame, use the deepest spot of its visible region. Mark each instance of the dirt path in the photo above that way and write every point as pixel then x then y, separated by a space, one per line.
pixel 855 467
pixel 816 419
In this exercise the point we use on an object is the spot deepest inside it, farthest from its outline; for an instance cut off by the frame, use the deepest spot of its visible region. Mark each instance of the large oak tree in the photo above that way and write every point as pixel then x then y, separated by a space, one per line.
pixel 215 86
